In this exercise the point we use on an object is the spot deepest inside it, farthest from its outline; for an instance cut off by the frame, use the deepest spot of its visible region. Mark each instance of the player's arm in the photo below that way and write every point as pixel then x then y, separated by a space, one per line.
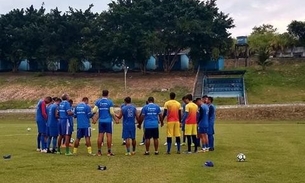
pixel 120 115
pixel 94 110
pixel 43 110
pixel 200 114
pixel 141 118
pixel 185 115
pixel 165 110
pixel 161 119
pixel 137 116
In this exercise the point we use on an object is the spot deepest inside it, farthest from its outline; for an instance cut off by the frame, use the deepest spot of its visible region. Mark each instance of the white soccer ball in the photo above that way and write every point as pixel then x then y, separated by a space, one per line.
pixel 28 129
pixel 72 140
pixel 241 157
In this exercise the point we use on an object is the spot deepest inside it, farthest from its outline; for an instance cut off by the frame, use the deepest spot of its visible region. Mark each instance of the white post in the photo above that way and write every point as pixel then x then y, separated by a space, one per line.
pixel 125 74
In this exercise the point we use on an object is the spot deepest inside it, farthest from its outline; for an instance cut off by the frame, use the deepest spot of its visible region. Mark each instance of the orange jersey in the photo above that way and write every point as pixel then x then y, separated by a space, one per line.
pixel 172 107
pixel 191 108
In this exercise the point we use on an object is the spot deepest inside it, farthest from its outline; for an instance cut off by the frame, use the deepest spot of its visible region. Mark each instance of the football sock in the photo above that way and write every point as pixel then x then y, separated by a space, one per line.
pixel 183 138
pixel 42 140
pixel 178 143
pixel 38 141
pixel 189 143
pixel 54 142
pixel 211 141
pixel 133 148
pixel 75 150
pixel 128 150
pixel 195 142
pixel 67 150
pixel 49 142
pixel 89 149
pixel 109 151
pixel 169 144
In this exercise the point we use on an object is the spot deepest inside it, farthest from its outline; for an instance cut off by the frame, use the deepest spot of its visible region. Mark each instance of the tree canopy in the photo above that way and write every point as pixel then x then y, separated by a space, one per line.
pixel 131 30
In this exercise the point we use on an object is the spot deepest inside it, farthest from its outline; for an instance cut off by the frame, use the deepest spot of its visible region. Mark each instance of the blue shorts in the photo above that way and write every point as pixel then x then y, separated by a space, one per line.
pixel 83 132
pixel 105 127
pixel 65 127
pixel 52 131
pixel 41 126
pixel 202 130
pixel 129 133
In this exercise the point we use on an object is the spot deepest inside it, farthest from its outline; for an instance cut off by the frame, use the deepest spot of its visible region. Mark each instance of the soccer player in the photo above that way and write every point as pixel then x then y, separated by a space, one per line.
pixel 190 120
pixel 83 114
pixel 65 130
pixel 52 125
pixel 129 114
pixel 143 139
pixel 203 124
pixel 211 123
pixel 172 109
pixel 104 107
pixel 183 124
pixel 152 116
pixel 41 120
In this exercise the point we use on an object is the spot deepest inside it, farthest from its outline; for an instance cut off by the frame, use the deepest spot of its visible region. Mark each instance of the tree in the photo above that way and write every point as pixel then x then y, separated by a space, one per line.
pixel 297 30
pixel 263 29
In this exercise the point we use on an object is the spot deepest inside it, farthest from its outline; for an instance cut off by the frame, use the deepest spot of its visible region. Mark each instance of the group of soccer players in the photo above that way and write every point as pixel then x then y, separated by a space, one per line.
pixel 195 118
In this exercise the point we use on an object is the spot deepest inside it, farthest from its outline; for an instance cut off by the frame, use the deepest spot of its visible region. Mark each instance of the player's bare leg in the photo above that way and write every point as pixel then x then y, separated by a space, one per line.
pixel 156 145
pixel 147 144
pixel 134 144
pixel 109 143
pixel 76 145
pixel 100 139
pixel 59 143
pixel 127 144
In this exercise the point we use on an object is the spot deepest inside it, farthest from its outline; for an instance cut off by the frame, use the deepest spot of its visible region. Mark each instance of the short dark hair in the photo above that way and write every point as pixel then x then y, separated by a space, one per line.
pixel 127 100
pixel 204 96
pixel 57 99
pixel 64 97
pixel 198 99
pixel 54 98
pixel 146 102
pixel 151 99
pixel 189 97
pixel 105 93
pixel 49 99
pixel 211 99
pixel 85 99
pixel 172 95
pixel 183 98
pixel 70 101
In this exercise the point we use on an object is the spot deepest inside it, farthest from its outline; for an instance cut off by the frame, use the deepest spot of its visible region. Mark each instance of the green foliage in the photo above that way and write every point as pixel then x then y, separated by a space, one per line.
pixel 297 29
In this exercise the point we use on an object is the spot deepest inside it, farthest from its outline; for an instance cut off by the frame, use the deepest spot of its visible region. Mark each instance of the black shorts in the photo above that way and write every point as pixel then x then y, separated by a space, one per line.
pixel 151 133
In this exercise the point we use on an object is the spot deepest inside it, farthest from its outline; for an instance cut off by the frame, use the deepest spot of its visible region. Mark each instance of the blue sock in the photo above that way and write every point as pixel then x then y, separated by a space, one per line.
pixel 42 140
pixel 198 142
pixel 38 140
pixel 49 142
pixel 211 141
pixel 169 144
pixel 54 142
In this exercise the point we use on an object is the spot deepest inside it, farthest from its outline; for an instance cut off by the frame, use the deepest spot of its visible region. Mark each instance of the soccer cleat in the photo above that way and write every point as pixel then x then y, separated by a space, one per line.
pixel 176 144
pixel 69 154
pixel 133 153
pixel 91 154
pixel 128 154
pixel 110 154
pixel 188 152
pixel 38 150
pixel 58 152
pixel 165 143
pixel 182 144
pixel 146 153
pixel 54 151
pixel 211 149
pixel 201 150
pixel 168 152
pixel 124 143
pixel 44 151
pixel 99 153
pixel 156 152
pixel 142 143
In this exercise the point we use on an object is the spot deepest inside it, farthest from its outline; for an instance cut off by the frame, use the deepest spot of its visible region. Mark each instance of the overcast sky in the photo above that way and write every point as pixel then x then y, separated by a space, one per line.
pixel 246 13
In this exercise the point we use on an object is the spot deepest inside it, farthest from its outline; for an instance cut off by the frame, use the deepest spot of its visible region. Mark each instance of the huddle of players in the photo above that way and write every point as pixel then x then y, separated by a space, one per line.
pixel 196 120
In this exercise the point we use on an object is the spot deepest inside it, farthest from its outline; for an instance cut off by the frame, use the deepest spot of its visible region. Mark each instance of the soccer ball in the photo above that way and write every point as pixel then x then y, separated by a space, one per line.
pixel 28 129
pixel 72 140
pixel 241 157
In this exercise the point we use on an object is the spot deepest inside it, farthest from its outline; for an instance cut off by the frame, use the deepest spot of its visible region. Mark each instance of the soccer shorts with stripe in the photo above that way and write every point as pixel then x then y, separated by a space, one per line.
pixel 65 127
pixel 83 132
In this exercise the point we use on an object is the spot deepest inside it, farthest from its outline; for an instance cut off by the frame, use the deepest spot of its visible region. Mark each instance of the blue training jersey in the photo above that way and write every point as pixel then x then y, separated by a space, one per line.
pixel 83 115
pixel 151 115
pixel 52 120
pixel 211 114
pixel 63 109
pixel 39 111
pixel 129 114
pixel 204 121
pixel 104 106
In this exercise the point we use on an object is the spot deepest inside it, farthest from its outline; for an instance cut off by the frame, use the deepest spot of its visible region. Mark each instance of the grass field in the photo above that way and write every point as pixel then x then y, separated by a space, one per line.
pixel 274 150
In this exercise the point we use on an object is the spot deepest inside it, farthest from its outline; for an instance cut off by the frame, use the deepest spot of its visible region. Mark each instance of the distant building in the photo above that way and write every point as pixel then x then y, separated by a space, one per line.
pixel 296 52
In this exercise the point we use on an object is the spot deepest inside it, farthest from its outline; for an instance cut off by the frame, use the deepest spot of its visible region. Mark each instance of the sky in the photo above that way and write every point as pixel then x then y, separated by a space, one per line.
pixel 246 13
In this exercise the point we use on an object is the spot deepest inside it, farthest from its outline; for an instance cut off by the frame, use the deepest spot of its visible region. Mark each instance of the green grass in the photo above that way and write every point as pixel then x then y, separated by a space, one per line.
pixel 273 149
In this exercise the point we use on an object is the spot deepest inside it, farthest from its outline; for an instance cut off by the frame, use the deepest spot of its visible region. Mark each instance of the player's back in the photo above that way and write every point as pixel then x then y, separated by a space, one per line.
pixel 104 106
pixel 191 108
pixel 63 109
pixel 151 112
pixel 83 114
pixel 129 114
pixel 204 122
pixel 39 110
pixel 52 120
pixel 212 113
pixel 173 107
